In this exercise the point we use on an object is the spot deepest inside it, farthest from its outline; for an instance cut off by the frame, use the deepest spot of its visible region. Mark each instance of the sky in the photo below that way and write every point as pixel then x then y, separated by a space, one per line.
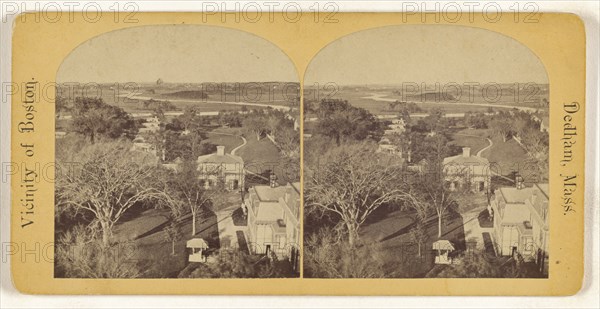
pixel 177 53
pixel 425 54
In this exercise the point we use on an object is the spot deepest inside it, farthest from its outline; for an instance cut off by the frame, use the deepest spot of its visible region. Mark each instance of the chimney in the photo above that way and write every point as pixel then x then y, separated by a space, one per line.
pixel 273 180
pixel 519 182
pixel 466 152
pixel 220 150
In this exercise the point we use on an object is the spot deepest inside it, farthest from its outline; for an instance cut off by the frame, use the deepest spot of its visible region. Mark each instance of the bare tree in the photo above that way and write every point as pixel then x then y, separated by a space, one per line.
pixel 288 141
pixel 419 236
pixel 172 234
pixel 435 193
pixel 105 180
pixel 186 190
pixel 79 254
pixel 326 257
pixel 501 127
pixel 352 181
pixel 273 122
pixel 429 190
pixel 256 123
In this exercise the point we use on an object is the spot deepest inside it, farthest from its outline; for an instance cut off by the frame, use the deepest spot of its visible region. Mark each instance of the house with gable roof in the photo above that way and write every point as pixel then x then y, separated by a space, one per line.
pixel 221 167
pixel 274 220
pixel 520 216
pixel 467 170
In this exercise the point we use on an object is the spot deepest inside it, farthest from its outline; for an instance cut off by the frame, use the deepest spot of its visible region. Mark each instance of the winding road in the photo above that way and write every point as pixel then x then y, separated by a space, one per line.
pixel 240 146
pixel 485 148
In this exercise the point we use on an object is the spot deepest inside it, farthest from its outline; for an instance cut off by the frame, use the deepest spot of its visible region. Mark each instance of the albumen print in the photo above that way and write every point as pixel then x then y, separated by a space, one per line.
pixel 426 155
pixel 178 155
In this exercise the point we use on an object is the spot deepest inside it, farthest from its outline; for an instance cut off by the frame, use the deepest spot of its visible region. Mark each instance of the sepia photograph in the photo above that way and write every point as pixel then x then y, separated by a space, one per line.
pixel 426 156
pixel 177 156
pixel 250 150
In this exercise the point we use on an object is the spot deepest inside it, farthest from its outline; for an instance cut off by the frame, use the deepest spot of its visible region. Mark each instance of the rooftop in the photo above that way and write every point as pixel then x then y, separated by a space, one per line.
pixel 512 195
pixel 470 160
pixel 266 193
pixel 269 212
pixel 543 188
pixel 296 186
pixel 515 214
pixel 220 159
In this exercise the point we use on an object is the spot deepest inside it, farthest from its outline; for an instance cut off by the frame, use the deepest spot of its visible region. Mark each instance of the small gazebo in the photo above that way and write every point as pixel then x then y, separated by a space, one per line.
pixel 197 244
pixel 443 247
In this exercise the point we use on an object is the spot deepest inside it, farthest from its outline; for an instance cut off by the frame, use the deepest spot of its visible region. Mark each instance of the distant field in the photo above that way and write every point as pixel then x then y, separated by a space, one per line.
pixel 360 98
pixel 177 93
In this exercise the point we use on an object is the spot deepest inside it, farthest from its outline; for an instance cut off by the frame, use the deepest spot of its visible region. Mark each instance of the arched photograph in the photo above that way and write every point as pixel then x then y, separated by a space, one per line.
pixel 178 156
pixel 426 156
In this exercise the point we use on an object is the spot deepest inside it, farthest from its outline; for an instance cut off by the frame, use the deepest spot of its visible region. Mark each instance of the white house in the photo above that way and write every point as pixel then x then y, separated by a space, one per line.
pixel 520 217
pixel 221 166
pixel 274 220
pixel 467 170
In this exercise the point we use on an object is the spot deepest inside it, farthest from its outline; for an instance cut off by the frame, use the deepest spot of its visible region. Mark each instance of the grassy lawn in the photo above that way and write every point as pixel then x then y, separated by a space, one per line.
pixel 229 141
pixel 466 138
pixel 469 201
pixel 391 229
pixel 144 230
pixel 508 157
pixel 262 157
pixel 259 151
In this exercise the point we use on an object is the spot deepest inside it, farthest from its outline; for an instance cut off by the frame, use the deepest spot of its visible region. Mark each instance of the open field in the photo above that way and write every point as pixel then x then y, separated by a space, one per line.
pixel 260 157
pixel 476 139
pixel 229 141
pixel 509 157
pixel 184 95
pixel 376 100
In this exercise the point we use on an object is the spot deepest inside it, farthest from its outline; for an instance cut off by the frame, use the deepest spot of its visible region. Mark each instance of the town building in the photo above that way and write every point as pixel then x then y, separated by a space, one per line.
pixel 520 216
pixel 150 125
pixel 221 167
pixel 386 146
pixel 396 127
pixel 465 171
pixel 274 220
